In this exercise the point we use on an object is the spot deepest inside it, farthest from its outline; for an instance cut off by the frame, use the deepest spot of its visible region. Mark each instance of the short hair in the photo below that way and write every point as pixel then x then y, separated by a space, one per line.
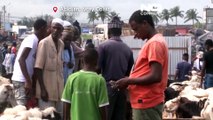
pixel 139 16
pixel 209 42
pixel 39 23
pixel 185 55
pixel 90 56
pixel 115 31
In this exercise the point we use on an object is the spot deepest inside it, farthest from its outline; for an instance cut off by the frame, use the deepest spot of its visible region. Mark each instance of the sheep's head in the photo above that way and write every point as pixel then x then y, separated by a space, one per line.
pixel 5 91
pixel 172 105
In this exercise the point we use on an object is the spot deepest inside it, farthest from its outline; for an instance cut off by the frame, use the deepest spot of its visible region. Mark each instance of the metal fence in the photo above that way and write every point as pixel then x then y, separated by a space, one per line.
pixel 177 46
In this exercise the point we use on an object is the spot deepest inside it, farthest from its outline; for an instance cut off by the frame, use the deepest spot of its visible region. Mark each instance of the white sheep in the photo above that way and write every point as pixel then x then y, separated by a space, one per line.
pixel 49 111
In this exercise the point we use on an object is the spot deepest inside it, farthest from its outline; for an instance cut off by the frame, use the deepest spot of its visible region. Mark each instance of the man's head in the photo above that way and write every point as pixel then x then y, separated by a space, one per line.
pixel 142 23
pixel 14 44
pixel 115 27
pixel 208 44
pixel 67 34
pixel 185 56
pixel 57 28
pixel 67 38
pixel 40 28
pixel 90 57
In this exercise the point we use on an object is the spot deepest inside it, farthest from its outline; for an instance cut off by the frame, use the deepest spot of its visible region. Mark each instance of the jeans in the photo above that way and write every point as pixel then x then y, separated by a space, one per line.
pixel 19 90
pixel 208 81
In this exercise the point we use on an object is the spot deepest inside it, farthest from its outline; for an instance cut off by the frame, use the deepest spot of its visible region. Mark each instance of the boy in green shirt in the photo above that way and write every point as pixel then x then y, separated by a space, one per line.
pixel 85 93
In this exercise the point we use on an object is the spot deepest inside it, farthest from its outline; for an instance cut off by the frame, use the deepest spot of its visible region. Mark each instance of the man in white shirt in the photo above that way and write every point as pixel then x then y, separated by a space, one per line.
pixel 24 63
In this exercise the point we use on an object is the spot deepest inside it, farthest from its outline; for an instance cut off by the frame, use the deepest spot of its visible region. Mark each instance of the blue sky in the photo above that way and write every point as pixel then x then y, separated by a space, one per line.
pixel 125 8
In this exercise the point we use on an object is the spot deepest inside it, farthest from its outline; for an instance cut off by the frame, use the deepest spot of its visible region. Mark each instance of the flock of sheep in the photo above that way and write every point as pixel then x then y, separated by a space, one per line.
pixel 187 100
pixel 183 100
pixel 9 110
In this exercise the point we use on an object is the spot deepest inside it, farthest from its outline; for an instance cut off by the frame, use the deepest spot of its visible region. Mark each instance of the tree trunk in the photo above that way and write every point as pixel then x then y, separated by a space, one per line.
pixel 193 22
pixel 176 21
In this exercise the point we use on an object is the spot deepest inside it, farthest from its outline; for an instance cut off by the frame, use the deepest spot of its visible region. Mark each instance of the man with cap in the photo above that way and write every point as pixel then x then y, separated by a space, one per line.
pixel 49 68
pixel 115 62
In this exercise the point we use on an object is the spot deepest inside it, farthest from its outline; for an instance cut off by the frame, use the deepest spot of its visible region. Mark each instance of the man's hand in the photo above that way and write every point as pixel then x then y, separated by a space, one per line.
pixel 122 83
pixel 44 95
pixel 28 87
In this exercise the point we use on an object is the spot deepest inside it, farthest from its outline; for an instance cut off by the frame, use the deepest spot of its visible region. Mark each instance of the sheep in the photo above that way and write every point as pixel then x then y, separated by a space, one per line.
pixel 35 112
pixel 171 106
pixel 4 80
pixel 20 112
pixel 14 110
pixel 188 109
pixel 6 96
pixel 51 114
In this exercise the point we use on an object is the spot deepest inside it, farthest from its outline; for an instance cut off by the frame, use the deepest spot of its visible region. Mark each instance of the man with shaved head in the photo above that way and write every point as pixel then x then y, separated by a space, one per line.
pixel 49 68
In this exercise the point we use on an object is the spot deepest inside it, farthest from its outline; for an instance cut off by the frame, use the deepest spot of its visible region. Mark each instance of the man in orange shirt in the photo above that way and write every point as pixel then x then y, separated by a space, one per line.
pixel 148 78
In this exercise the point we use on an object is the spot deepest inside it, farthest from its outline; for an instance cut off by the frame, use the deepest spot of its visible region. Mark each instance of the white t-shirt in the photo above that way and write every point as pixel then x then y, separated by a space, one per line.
pixel 30 42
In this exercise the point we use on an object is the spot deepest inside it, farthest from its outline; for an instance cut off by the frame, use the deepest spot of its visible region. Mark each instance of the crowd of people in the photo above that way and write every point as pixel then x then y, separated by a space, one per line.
pixel 51 69
pixel 202 64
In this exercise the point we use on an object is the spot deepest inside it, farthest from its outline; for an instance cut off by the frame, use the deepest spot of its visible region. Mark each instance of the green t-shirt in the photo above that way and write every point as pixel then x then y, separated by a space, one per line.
pixel 86 91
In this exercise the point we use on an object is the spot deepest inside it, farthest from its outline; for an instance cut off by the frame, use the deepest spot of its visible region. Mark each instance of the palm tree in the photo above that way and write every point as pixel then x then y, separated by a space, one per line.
pixel 113 14
pixel 165 15
pixel 103 14
pixel 155 18
pixel 176 12
pixel 92 16
pixel 192 14
pixel 68 16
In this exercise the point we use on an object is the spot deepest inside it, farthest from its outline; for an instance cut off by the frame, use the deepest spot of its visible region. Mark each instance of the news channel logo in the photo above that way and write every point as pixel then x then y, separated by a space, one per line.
pixel 151 8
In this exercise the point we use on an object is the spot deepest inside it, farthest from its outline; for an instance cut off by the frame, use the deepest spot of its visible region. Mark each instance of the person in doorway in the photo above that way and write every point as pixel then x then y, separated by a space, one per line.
pixel 183 69
pixel 207 69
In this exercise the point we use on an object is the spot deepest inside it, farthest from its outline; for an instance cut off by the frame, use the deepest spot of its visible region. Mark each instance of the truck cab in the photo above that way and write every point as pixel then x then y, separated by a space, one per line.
pixel 100 32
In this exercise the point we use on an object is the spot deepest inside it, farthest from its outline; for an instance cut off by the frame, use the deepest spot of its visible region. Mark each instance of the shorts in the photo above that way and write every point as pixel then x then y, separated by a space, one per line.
pixel 154 113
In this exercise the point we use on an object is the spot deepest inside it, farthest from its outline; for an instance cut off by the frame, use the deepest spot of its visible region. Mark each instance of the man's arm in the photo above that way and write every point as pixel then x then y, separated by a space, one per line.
pixel 67 111
pixel 155 76
pixel 203 71
pixel 130 64
pixel 23 66
pixel 104 114
pixel 176 73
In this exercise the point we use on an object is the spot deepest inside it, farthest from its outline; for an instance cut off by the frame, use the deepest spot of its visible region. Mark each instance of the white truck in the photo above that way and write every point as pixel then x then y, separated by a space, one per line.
pixel 100 32
pixel 19 29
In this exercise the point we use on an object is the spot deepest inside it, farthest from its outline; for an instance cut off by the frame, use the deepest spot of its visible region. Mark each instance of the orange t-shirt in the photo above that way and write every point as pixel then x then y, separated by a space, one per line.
pixel 147 96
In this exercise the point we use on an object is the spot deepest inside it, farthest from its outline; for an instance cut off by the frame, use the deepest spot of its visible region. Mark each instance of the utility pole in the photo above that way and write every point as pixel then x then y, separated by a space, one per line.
pixel 0 19
pixel 4 12
pixel 8 17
